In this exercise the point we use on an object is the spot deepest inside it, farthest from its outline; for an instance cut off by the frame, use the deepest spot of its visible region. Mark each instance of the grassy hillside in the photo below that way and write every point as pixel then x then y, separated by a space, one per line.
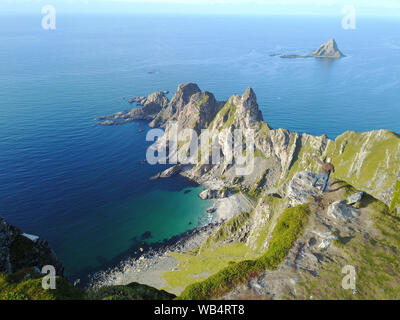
pixel 370 244
pixel 288 228
pixel 27 285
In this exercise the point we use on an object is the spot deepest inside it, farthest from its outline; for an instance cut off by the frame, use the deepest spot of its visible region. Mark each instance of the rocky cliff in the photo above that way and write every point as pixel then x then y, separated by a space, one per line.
pixel 307 249
pixel 370 161
pixel 22 257
pixel 19 250
pixel 290 232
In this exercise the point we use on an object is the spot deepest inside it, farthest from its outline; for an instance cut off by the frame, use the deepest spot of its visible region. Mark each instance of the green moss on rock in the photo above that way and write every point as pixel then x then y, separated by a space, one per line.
pixel 230 227
pixel 203 101
pixel 396 197
pixel 255 192
pixel 27 285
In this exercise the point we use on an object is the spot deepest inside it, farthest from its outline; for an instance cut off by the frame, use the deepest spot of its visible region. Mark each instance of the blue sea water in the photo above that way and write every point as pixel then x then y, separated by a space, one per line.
pixel 82 186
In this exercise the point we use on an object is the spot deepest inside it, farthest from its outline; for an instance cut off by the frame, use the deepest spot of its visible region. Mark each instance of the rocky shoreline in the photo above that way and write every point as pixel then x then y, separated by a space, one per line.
pixel 148 262
pixel 227 204
pixel 147 109
pixel 148 265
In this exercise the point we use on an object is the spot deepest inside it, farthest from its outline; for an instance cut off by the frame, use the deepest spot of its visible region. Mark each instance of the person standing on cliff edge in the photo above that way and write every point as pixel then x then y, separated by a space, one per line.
pixel 327 169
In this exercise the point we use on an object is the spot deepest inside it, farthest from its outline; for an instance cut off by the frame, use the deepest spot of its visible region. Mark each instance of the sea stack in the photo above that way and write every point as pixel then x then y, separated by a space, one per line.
pixel 328 50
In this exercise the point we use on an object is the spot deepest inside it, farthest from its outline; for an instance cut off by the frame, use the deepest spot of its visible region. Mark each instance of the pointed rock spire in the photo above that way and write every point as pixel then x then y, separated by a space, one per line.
pixel 179 100
pixel 249 98
pixel 328 50
pixel 250 105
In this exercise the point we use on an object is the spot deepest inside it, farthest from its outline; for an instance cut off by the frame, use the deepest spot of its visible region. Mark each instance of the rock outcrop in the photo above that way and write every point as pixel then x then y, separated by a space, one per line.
pixel 152 105
pixel 213 194
pixel 354 198
pixel 20 250
pixel 141 100
pixel 170 172
pixel 199 112
pixel 300 188
pixel 328 50
pixel 180 99
pixel 342 211
pixel 239 112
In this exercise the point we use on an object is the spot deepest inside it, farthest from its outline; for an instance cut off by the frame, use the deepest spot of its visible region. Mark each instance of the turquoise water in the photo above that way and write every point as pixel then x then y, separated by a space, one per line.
pixel 163 212
pixel 83 186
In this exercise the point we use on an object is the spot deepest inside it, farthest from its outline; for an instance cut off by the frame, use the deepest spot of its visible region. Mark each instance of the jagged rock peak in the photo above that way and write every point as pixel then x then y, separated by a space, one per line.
pixel 328 50
pixel 180 99
pixel 157 97
pixel 249 97
pixel 199 112
pixel 187 90
pixel 249 103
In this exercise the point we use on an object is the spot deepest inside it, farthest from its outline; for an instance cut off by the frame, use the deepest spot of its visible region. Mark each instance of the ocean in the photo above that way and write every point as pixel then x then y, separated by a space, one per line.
pixel 83 186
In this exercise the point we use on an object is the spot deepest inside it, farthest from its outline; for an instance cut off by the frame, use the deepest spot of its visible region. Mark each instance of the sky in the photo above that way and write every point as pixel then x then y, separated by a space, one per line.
pixel 280 7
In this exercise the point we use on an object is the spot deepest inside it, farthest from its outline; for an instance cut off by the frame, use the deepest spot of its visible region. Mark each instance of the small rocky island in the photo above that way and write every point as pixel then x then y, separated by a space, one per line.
pixel 327 50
